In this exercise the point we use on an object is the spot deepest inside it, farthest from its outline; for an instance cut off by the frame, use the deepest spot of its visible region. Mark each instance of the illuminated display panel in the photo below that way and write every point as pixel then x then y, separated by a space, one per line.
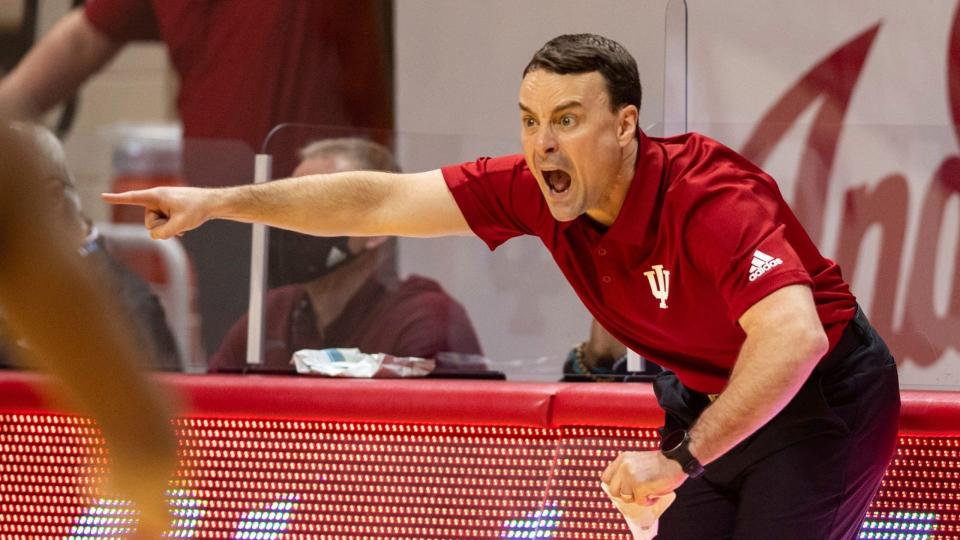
pixel 293 479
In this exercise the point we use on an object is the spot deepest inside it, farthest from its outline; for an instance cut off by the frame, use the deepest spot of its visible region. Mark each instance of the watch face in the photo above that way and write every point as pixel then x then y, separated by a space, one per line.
pixel 672 441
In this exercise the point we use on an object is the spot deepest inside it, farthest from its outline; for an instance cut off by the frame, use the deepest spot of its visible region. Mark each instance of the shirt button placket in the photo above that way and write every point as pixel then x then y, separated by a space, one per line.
pixel 602 251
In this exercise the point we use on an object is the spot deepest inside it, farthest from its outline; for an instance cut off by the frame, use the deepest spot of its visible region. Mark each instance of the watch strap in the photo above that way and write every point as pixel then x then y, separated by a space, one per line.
pixel 679 451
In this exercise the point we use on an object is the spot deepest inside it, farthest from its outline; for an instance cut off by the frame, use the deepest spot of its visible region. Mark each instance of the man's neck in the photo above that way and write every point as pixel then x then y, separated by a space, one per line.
pixel 612 199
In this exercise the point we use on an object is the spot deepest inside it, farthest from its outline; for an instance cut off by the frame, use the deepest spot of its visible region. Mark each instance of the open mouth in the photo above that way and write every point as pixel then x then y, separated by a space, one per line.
pixel 559 181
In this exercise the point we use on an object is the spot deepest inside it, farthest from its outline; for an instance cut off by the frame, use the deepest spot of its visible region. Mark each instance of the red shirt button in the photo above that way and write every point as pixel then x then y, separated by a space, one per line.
pixel 606 279
pixel 602 251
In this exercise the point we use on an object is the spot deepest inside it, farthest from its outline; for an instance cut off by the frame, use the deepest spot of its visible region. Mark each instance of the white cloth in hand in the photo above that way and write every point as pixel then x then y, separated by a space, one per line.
pixel 641 520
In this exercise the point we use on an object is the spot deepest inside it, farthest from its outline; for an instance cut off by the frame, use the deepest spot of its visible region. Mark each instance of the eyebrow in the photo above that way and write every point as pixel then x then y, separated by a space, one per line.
pixel 569 104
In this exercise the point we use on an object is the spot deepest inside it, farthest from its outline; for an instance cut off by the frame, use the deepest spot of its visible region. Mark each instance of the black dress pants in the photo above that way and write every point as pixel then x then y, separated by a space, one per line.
pixel 813 470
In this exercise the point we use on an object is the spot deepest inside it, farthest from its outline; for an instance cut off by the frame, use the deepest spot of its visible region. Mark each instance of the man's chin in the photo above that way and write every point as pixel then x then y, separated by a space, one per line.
pixel 563 214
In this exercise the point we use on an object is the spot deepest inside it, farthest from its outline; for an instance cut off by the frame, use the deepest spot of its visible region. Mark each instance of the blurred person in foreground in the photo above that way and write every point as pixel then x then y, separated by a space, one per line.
pixel 143 308
pixel 346 291
pixel 86 343
pixel 782 403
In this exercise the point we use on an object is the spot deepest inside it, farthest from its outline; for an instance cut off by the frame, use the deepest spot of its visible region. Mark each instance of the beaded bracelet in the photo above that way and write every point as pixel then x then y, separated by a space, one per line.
pixel 574 365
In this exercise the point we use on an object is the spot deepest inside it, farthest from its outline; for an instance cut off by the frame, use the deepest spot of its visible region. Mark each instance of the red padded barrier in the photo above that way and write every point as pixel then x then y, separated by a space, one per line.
pixel 418 401
pixel 297 458
pixel 930 413
pixel 24 392
pixel 606 404
pixel 441 401
pixel 415 401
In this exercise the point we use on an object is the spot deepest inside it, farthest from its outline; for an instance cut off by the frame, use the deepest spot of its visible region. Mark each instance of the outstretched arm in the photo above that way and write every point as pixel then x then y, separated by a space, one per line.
pixel 55 67
pixel 356 203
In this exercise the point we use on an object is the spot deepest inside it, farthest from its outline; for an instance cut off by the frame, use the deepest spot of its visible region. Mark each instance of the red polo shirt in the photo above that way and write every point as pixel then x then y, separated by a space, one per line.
pixel 702 235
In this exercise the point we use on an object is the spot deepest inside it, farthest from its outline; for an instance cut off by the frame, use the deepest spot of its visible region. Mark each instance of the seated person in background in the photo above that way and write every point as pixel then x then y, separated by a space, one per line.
pixel 345 292
pixel 602 357
pixel 157 343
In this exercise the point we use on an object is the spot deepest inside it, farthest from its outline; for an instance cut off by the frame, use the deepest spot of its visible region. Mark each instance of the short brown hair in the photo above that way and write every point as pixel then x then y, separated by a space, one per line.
pixel 583 53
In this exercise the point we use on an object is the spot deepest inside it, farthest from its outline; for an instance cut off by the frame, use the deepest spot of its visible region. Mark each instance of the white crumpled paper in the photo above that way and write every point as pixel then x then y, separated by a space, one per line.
pixel 642 520
pixel 355 364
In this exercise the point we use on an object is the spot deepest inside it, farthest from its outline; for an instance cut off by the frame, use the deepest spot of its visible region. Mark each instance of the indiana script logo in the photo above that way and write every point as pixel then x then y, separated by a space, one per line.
pixel 921 333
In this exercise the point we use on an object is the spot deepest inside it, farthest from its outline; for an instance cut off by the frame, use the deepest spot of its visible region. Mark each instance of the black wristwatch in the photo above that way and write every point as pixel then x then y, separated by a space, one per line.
pixel 676 446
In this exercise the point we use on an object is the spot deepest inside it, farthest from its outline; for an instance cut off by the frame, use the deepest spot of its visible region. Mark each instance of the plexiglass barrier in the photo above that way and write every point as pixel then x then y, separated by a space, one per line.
pixel 884 210
pixel 477 313
pixel 218 253
pixel 184 292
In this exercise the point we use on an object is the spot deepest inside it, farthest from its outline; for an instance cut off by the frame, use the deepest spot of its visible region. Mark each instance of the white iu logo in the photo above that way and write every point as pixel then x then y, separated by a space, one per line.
pixel 659 283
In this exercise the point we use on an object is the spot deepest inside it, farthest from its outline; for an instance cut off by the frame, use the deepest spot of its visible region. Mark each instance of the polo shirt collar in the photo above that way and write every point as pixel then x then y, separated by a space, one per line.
pixel 634 223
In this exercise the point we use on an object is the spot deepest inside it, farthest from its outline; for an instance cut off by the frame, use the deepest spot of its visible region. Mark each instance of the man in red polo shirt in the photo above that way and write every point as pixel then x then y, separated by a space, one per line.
pixel 684 251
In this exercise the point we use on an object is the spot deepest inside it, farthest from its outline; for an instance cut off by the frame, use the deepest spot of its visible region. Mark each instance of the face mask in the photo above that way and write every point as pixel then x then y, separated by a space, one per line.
pixel 298 258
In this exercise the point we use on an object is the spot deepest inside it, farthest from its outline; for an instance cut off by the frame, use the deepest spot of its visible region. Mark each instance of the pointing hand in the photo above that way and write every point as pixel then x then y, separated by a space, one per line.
pixel 168 211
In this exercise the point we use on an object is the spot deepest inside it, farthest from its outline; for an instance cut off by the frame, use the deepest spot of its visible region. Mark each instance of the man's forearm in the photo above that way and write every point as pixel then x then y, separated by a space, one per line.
pixel 772 366
pixel 753 396
pixel 343 204
pixel 353 203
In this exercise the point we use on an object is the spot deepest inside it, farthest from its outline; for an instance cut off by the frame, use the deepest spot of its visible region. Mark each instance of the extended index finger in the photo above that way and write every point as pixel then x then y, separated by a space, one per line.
pixel 146 198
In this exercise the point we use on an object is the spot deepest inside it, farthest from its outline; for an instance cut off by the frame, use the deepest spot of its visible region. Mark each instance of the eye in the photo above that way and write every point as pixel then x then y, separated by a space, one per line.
pixel 567 120
pixel 528 121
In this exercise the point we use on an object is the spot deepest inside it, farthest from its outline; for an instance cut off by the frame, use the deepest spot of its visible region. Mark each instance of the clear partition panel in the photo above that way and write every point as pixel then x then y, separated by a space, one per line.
pixel 200 279
pixel 479 314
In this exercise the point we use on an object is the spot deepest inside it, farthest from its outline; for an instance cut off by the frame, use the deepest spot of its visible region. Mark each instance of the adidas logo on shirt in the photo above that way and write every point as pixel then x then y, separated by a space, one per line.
pixel 761 263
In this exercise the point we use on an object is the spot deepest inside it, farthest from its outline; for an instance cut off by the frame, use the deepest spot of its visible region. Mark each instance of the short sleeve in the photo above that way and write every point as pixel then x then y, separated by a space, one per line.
pixel 498 197
pixel 733 235
pixel 123 20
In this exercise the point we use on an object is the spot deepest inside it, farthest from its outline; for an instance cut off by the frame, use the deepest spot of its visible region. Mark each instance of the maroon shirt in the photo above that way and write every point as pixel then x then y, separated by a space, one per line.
pixel 413 317
pixel 695 209
pixel 247 65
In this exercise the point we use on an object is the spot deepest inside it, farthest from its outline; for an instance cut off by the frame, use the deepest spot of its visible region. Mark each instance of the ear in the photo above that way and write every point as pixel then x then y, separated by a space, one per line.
pixel 627 119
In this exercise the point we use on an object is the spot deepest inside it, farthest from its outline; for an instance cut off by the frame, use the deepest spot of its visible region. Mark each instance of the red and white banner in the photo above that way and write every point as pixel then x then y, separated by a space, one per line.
pixel 854 108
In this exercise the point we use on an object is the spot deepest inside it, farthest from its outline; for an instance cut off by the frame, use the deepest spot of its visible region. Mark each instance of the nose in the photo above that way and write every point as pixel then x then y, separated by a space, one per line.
pixel 546 141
